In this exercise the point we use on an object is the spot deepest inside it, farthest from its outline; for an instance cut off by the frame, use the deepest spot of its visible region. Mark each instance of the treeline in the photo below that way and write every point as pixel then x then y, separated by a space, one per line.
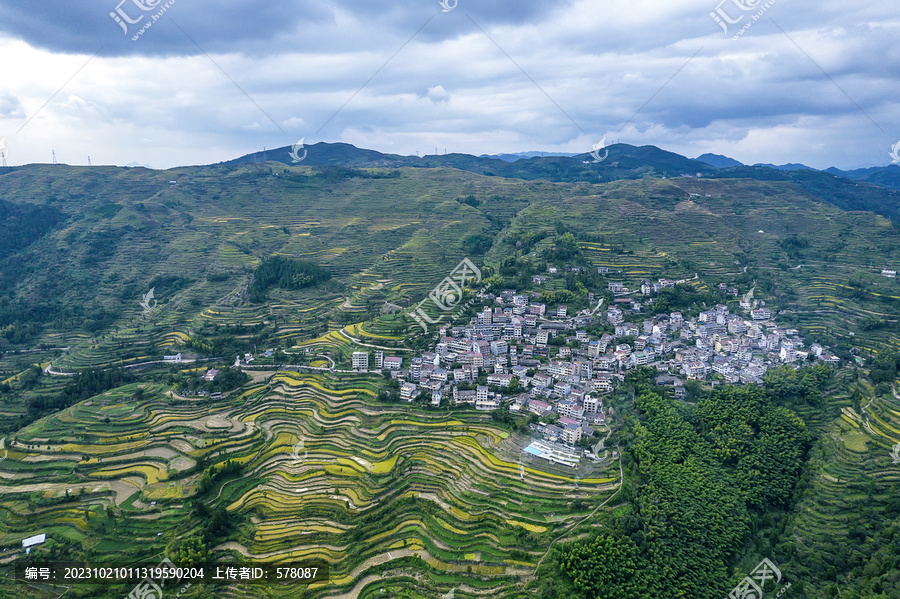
pixel 331 174
pixel 83 386
pixel 78 388
pixel 685 298
pixel 564 248
pixel 227 380
pixel 211 524
pixel 22 320
pixel 885 368
pixel 285 273
pixel 342 172
pixel 703 479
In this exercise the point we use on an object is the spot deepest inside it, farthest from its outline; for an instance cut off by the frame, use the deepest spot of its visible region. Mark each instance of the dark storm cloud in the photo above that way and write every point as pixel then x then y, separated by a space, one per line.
pixel 486 77
pixel 256 28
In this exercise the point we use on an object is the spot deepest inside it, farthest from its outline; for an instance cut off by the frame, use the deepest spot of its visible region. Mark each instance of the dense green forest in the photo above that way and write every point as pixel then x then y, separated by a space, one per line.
pixel 286 274
pixel 710 485
pixel 23 224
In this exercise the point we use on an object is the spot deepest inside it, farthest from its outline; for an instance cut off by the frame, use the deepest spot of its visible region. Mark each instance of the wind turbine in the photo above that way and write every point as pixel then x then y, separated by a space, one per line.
pixel 3 152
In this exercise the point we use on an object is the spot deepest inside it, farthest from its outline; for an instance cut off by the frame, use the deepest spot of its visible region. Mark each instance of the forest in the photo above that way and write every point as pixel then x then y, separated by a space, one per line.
pixel 702 482
pixel 286 274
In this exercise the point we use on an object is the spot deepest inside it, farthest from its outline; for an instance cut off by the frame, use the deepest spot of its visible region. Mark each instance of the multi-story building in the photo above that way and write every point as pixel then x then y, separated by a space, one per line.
pixel 501 380
pixel 360 360
pixel 409 391
pixel 571 433
pixel 615 316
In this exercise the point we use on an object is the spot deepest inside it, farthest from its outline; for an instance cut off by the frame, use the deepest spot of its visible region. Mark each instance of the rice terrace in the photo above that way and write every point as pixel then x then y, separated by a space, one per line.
pixel 439 382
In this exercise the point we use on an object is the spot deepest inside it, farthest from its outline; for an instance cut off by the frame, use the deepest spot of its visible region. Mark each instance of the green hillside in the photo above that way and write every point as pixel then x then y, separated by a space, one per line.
pixel 319 260
pixel 872 190
pixel 386 236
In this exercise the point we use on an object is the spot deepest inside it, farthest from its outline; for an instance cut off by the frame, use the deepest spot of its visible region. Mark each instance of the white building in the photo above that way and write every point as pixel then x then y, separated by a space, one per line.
pixel 360 360
pixel 30 542
pixel 408 391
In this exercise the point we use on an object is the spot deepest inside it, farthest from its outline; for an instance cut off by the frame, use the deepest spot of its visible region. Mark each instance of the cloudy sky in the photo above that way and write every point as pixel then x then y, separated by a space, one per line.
pixel 811 82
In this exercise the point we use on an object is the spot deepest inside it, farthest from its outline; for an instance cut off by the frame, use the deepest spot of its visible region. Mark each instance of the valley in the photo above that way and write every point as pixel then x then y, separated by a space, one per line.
pixel 276 275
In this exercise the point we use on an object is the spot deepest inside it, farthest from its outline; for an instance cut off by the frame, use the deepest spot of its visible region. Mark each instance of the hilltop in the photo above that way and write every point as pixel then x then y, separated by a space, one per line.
pixel 875 190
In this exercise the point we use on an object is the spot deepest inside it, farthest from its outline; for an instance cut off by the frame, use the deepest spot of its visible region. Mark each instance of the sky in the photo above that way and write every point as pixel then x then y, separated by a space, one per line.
pixel 182 82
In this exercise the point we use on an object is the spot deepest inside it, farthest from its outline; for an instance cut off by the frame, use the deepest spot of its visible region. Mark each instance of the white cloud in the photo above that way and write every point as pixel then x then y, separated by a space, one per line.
pixel 587 74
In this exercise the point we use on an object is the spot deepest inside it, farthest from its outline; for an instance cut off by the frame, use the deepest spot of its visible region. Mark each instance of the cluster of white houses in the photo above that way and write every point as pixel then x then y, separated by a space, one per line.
pixel 516 341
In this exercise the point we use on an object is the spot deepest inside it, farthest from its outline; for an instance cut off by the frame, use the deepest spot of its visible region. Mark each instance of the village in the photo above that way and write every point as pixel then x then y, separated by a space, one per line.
pixel 515 352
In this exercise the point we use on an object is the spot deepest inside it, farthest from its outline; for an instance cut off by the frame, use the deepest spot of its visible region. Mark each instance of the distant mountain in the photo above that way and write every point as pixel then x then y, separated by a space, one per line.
pixel 718 161
pixel 876 193
pixel 521 155
pixel 834 189
pixel 792 166
pixel 620 161
pixel 886 176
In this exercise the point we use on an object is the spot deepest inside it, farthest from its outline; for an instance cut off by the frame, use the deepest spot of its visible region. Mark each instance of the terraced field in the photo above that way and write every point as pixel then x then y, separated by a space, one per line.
pixel 396 498
pixel 388 241
pixel 854 479
pixel 391 498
